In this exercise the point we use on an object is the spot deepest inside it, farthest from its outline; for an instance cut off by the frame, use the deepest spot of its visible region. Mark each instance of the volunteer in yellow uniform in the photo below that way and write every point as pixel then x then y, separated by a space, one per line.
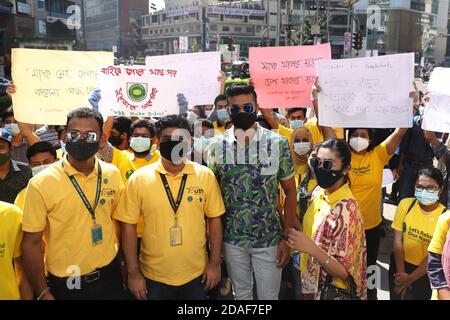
pixel 13 283
pixel 219 114
pixel 440 283
pixel 40 156
pixel 414 224
pixel 72 203
pixel 173 262
pixel 366 176
pixel 332 202
pixel 141 144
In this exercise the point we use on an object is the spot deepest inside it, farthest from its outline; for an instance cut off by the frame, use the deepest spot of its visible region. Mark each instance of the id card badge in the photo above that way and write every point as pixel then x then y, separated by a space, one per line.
pixel 97 235
pixel 175 236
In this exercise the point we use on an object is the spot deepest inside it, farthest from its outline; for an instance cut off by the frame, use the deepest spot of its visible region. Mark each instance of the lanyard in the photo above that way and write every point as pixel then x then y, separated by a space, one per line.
pixel 83 196
pixel 175 205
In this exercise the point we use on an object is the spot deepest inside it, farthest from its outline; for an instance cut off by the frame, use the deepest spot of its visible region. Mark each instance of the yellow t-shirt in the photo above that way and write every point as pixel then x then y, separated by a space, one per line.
pixel 20 199
pixel 142 162
pixel 59 154
pixel 313 127
pixel 417 227
pixel 10 239
pixel 366 177
pixel 221 129
pixel 53 206
pixel 121 159
pixel 159 261
pixel 439 238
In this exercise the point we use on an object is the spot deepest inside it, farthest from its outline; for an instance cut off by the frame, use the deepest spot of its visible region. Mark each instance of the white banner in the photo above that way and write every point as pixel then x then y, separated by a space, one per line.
pixel 197 72
pixel 139 91
pixel 437 112
pixel 366 92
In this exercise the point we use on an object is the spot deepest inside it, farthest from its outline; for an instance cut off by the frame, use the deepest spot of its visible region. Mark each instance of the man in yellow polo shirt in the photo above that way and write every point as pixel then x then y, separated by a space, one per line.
pixel 13 283
pixel 72 203
pixel 185 206
pixel 141 142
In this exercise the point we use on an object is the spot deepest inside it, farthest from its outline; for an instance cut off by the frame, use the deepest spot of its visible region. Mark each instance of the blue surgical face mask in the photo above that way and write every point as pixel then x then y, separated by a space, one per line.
pixel 13 128
pixel 63 146
pixel 426 198
pixel 223 115
pixel 297 124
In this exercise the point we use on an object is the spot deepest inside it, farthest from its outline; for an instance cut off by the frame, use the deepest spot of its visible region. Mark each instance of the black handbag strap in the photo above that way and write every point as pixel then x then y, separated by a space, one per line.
pixel 351 285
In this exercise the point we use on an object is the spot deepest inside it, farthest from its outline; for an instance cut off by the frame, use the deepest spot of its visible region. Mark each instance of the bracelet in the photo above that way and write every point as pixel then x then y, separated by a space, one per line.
pixel 327 261
pixel 43 293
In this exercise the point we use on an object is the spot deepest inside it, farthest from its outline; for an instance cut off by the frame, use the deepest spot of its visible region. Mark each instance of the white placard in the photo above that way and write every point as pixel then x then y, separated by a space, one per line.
pixel 437 112
pixel 139 91
pixel 198 73
pixel 366 92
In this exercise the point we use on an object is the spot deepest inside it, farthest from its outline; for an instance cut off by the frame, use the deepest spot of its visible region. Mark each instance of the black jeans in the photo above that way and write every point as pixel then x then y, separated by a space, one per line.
pixel 420 289
pixel 105 285
pixel 193 290
pixel 372 245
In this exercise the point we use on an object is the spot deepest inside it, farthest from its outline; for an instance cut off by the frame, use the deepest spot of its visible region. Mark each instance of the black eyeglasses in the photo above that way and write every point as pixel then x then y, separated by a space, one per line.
pixel 235 109
pixel 326 164
pixel 430 189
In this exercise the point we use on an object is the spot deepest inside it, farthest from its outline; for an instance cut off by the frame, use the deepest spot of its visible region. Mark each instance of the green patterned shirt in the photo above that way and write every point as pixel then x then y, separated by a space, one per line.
pixel 249 180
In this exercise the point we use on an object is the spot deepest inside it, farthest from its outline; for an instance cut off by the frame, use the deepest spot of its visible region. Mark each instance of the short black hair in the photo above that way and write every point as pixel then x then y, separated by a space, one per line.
pixel 143 123
pixel 86 113
pixel 40 147
pixel 432 173
pixel 123 125
pixel 9 112
pixel 207 124
pixel 292 110
pixel 171 121
pixel 371 133
pixel 236 89
pixel 263 122
pixel 220 97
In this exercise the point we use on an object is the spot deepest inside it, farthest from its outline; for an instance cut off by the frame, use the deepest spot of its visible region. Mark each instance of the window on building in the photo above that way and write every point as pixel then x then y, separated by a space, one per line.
pixel 237 29
pixel 418 5
pixel 297 4
pixel 41 4
pixel 225 28
pixel 213 27
pixel 250 29
pixel 42 27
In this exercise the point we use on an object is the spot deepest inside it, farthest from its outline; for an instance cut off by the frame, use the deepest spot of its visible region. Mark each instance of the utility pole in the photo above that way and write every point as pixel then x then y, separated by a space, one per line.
pixel 277 37
pixel 303 21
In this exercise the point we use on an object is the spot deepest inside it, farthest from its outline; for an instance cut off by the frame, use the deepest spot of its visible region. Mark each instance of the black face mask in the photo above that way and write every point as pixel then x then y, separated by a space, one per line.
pixel 115 140
pixel 81 150
pixel 326 179
pixel 243 120
pixel 166 149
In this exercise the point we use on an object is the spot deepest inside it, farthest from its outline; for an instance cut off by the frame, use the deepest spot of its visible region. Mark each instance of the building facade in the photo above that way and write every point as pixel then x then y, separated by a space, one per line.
pixel 115 25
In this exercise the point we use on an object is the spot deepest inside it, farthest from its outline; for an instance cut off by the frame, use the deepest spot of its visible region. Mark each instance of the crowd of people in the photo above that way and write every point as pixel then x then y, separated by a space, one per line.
pixel 226 199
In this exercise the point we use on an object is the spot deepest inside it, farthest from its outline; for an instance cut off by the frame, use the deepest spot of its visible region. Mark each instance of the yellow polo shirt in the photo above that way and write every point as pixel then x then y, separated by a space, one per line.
pixel 53 206
pixel 10 239
pixel 142 162
pixel 121 159
pixel 366 175
pixel 417 227
pixel 439 238
pixel 313 127
pixel 20 199
pixel 202 198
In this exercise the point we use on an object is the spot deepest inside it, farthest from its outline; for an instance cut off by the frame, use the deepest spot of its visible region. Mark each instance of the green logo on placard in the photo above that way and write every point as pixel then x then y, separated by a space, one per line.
pixel 137 91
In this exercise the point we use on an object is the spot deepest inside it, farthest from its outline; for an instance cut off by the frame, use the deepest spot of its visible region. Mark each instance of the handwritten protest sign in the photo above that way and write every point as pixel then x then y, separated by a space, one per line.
pixel 51 83
pixel 366 92
pixel 436 116
pixel 197 73
pixel 138 91
pixel 283 76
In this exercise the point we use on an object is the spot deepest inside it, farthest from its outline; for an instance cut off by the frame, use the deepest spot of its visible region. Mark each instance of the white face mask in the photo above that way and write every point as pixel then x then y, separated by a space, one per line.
pixel 39 169
pixel 140 144
pixel 359 144
pixel 302 148
pixel 191 116
pixel 13 128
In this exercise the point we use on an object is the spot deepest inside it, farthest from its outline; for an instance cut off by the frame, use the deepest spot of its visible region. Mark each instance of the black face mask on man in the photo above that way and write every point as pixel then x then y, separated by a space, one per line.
pixel 82 150
pixel 243 120
pixel 115 140
pixel 174 151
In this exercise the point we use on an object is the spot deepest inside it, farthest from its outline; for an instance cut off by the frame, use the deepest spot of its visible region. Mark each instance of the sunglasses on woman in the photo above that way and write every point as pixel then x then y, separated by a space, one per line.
pixel 315 163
